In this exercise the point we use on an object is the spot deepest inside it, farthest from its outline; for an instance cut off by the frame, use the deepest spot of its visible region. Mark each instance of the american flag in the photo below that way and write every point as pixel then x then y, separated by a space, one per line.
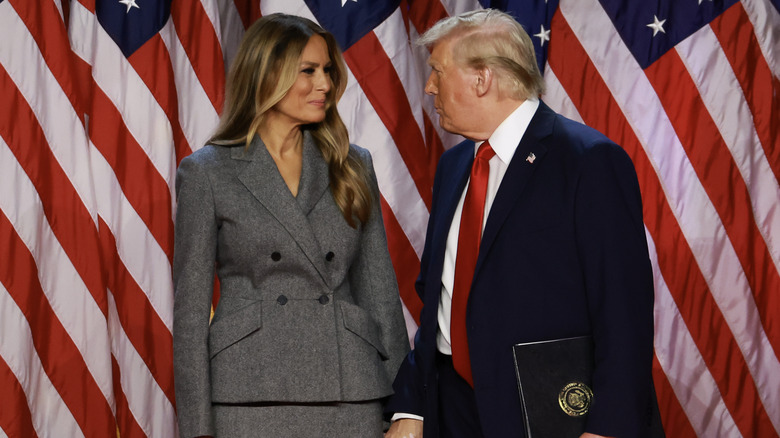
pixel 102 98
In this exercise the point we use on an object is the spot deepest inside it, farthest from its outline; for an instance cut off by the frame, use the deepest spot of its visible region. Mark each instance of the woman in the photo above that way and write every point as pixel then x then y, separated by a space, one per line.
pixel 308 332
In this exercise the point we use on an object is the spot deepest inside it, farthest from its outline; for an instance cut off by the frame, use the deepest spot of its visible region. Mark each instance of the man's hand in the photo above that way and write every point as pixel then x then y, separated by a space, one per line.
pixel 405 428
pixel 590 435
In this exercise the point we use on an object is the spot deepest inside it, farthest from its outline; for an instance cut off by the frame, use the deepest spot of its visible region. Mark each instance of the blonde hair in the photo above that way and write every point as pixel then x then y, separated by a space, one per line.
pixel 493 39
pixel 265 68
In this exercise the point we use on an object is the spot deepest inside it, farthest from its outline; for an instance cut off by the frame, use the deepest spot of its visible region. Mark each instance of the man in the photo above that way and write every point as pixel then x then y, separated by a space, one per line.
pixel 562 250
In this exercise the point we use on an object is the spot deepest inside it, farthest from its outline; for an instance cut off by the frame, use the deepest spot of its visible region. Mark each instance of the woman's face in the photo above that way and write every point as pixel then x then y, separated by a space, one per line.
pixel 307 99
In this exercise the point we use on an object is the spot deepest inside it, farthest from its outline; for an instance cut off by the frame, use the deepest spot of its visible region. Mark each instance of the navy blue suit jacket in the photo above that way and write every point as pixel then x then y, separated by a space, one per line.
pixel 563 254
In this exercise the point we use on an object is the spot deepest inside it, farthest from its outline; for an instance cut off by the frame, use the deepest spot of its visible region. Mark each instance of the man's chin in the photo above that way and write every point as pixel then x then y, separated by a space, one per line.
pixel 448 127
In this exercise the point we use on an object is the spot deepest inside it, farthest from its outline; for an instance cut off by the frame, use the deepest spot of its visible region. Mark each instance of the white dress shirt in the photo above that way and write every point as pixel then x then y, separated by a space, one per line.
pixel 504 141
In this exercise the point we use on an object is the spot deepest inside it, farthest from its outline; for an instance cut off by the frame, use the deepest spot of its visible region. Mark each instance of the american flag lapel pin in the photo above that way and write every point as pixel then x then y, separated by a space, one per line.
pixel 530 158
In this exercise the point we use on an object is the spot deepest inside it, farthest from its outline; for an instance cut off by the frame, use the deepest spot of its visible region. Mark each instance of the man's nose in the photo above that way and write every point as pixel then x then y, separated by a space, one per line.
pixel 431 87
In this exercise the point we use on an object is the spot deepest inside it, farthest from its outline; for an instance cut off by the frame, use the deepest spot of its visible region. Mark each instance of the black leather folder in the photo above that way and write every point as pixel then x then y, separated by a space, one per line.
pixel 554 380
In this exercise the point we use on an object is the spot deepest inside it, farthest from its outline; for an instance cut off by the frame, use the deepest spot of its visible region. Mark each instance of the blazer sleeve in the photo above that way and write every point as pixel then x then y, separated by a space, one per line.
pixel 193 277
pixel 612 248
pixel 373 280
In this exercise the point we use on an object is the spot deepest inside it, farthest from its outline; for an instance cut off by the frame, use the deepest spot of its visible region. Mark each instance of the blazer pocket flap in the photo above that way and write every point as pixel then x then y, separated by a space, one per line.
pixel 359 322
pixel 234 326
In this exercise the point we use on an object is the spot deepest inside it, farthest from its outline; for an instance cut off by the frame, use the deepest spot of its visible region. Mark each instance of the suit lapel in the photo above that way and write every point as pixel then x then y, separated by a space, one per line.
pixel 517 175
pixel 262 178
pixel 450 190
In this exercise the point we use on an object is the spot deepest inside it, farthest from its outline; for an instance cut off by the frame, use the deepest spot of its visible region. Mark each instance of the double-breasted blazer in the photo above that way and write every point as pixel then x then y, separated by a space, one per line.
pixel 309 309
pixel 563 254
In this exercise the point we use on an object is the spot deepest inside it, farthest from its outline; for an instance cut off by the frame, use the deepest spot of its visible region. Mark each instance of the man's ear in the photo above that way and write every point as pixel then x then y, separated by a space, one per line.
pixel 484 80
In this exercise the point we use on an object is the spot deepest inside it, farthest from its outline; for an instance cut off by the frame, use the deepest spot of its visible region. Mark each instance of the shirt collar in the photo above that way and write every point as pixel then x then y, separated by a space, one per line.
pixel 507 136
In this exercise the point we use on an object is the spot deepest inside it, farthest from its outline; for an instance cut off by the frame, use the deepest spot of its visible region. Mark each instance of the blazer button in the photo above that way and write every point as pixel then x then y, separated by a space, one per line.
pixel 324 299
pixel 275 256
pixel 282 300
pixel 329 256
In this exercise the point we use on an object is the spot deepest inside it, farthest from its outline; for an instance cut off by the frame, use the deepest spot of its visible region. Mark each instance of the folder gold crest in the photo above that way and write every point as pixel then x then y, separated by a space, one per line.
pixel 554 381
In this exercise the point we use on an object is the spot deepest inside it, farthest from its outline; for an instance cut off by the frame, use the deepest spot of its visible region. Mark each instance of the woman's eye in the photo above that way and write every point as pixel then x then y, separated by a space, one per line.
pixel 308 71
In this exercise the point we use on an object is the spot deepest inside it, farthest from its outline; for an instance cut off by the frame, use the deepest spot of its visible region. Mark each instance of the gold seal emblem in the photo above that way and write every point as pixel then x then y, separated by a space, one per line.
pixel 575 399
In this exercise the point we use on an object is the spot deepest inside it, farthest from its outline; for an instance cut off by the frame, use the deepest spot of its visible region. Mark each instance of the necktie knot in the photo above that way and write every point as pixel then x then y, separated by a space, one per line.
pixel 485 151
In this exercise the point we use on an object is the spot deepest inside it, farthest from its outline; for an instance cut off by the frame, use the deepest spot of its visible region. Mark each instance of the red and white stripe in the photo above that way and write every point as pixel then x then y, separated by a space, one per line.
pixel 55 346
pixel 147 112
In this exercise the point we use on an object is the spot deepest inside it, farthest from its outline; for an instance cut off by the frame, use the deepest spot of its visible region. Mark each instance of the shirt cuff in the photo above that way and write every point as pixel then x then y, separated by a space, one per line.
pixel 401 415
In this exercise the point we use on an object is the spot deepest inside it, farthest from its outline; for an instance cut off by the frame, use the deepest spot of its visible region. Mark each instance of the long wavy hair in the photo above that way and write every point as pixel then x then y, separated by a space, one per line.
pixel 263 71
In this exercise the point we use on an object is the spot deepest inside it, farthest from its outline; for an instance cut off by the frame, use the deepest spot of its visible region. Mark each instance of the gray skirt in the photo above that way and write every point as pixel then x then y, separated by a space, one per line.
pixel 307 420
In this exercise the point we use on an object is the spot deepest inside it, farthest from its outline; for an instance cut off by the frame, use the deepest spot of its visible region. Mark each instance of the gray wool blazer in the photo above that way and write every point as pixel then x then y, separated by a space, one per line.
pixel 309 308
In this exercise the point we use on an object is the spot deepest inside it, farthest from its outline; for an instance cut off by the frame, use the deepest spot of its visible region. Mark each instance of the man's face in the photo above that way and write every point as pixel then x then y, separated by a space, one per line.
pixel 452 89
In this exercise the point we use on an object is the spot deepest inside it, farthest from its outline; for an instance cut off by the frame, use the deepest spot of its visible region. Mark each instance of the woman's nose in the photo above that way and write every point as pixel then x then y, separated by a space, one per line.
pixel 323 81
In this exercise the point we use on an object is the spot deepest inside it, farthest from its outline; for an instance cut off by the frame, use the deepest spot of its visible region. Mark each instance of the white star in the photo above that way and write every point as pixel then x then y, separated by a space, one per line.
pixel 344 2
pixel 543 35
pixel 657 26
pixel 701 1
pixel 130 4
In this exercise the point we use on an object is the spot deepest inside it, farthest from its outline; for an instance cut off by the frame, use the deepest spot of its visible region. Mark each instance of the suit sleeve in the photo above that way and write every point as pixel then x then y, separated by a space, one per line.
pixel 409 385
pixel 612 247
pixel 374 282
pixel 193 277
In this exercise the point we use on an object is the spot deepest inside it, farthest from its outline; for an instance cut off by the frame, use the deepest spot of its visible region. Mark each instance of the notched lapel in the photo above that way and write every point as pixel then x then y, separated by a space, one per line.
pixel 450 188
pixel 520 170
pixel 262 178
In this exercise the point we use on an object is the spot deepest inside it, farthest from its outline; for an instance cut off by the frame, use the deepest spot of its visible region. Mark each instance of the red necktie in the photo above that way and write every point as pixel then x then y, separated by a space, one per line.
pixel 469 237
